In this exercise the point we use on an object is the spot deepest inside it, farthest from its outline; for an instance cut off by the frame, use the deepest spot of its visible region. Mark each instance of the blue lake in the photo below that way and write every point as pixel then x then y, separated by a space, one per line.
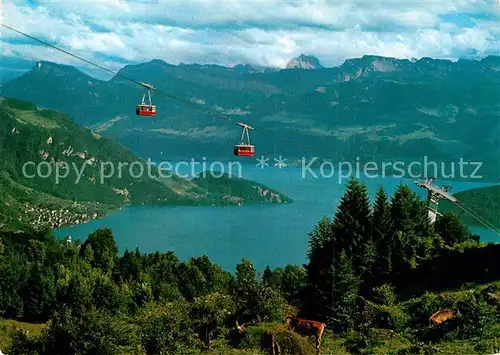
pixel 274 235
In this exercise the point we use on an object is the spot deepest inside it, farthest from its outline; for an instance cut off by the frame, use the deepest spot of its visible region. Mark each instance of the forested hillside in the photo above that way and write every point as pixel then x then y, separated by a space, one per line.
pixel 484 201
pixel 359 281
pixel 54 172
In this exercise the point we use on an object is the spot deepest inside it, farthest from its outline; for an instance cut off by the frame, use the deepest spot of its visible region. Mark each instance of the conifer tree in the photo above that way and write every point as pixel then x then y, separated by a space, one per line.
pixel 293 284
pixel 267 277
pixel 350 233
pixel 367 261
pixel 332 296
pixel 409 213
pixel 246 276
pixel 410 216
pixel 402 257
pixel 420 212
pixel 344 297
pixel 246 289
pixel 321 257
pixel 401 209
pixel 451 229
pixel 277 278
pixel 383 237
pixel 319 239
pixel 381 216
pixel 40 292
pixel 272 278
pixel 104 248
pixel 403 228
pixel 352 223
pixel 256 302
pixel 129 266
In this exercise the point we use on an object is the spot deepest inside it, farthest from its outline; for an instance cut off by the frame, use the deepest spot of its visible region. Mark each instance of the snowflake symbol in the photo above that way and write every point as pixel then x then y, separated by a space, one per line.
pixel 280 162
pixel 262 162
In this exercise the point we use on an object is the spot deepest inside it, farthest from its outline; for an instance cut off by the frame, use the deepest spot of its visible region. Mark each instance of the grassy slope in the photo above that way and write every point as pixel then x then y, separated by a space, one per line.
pixel 8 325
pixel 25 132
pixel 390 341
pixel 484 201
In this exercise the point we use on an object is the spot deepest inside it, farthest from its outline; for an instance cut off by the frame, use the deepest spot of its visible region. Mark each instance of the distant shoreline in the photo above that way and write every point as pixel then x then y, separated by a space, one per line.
pixel 182 202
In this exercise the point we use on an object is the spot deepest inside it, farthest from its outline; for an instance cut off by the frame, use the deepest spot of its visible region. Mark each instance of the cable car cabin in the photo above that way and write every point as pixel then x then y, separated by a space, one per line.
pixel 244 150
pixel 145 110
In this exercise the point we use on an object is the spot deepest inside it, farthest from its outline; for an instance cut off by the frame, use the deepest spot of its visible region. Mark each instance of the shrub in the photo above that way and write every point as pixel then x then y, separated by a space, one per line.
pixel 420 348
pixel 362 342
pixel 387 317
pixel 209 313
pixel 22 344
pixel 92 332
pixel 420 309
pixel 167 328
pixel 289 342
pixel 475 314
pixel 488 346
pixel 385 294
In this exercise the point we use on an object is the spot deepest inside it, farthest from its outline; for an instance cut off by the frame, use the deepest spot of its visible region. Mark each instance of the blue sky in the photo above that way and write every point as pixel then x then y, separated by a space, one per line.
pixel 267 33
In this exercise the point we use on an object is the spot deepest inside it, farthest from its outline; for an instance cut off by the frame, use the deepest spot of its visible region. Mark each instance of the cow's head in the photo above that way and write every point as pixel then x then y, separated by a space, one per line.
pixel 241 328
pixel 291 322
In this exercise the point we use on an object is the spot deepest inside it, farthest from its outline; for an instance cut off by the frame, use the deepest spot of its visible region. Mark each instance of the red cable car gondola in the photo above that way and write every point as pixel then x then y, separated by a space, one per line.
pixel 146 109
pixel 242 149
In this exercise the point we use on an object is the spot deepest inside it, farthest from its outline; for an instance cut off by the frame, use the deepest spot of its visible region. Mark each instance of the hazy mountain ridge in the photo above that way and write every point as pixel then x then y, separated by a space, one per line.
pixel 431 107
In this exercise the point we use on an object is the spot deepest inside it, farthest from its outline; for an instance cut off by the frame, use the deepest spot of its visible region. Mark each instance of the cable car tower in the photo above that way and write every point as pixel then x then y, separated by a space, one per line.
pixel 434 195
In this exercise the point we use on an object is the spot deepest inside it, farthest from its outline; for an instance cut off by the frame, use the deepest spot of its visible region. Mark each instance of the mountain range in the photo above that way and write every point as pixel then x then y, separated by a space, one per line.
pixel 373 108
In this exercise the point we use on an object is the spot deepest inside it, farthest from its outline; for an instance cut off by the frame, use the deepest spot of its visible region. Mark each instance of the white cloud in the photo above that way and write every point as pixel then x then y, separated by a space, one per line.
pixel 263 33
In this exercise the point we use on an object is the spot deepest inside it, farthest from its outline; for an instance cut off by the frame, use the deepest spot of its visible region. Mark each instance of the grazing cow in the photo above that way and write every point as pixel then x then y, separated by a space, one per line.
pixel 307 327
pixel 442 316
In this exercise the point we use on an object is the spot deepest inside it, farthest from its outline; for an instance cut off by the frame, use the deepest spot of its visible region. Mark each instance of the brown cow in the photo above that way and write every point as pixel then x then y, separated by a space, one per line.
pixel 442 316
pixel 307 327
